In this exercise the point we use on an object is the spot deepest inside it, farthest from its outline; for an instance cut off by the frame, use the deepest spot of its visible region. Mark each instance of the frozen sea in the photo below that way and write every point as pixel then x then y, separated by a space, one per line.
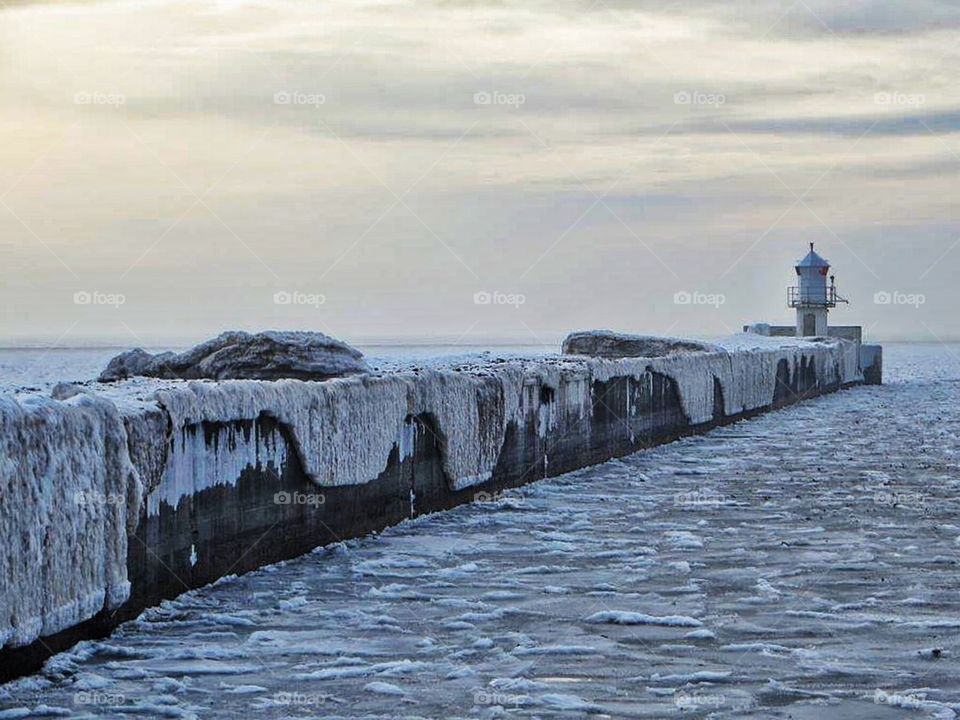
pixel 803 564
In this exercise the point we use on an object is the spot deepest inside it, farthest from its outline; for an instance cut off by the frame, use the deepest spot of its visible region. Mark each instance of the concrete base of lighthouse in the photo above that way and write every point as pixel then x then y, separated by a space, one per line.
pixel 812 321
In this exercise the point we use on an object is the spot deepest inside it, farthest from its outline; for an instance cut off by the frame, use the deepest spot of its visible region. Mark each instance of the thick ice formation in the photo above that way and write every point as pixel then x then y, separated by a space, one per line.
pixel 745 365
pixel 191 467
pixel 268 355
pixel 471 410
pixel 344 429
pixel 74 471
pixel 67 491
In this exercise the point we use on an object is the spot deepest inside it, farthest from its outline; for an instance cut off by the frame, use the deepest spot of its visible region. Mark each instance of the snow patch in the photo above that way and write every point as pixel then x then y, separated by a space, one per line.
pixel 623 617
pixel 383 688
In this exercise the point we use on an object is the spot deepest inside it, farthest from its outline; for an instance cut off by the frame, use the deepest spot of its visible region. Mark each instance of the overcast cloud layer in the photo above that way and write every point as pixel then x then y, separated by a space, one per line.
pixel 172 169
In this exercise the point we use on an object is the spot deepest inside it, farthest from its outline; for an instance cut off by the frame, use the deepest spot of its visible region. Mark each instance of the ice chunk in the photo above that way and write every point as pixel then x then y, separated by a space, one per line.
pixel 622 617
pixel 384 688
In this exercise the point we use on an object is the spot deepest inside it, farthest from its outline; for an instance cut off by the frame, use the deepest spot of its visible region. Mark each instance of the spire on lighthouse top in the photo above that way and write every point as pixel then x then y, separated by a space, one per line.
pixel 812 260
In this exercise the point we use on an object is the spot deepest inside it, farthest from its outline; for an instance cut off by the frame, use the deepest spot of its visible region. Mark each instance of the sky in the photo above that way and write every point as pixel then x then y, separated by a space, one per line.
pixel 473 172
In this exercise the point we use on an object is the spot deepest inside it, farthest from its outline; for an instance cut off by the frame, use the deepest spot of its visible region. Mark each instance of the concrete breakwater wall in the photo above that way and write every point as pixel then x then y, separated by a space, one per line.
pixel 114 500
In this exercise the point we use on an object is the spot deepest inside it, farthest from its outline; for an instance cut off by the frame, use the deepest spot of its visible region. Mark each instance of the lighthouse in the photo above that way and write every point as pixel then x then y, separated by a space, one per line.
pixel 813 296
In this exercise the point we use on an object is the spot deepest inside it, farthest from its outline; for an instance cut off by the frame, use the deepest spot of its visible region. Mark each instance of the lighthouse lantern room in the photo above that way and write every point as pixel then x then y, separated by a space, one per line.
pixel 813 296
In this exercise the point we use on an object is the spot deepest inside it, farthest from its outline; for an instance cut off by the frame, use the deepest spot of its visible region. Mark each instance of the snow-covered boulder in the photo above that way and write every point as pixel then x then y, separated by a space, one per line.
pixel 277 355
pixel 127 364
pixel 609 344
pixel 271 355
pixel 174 365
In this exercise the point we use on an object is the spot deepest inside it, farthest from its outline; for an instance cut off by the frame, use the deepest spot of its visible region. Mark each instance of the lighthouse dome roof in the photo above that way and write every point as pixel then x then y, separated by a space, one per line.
pixel 813 260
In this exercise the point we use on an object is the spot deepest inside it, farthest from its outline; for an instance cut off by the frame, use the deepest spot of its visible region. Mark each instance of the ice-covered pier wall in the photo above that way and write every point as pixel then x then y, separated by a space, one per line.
pixel 111 502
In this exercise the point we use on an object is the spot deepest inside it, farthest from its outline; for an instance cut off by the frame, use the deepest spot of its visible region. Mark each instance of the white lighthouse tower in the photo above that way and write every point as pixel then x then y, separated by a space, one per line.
pixel 813 297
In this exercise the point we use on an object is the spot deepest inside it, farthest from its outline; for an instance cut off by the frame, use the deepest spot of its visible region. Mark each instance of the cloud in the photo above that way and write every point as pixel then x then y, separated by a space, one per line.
pixel 400 150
